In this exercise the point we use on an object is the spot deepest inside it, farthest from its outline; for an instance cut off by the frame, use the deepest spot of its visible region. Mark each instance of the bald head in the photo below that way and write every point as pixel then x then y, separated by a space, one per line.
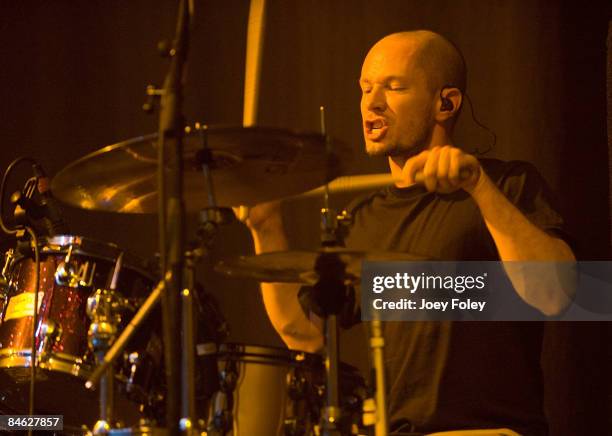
pixel 404 106
pixel 440 59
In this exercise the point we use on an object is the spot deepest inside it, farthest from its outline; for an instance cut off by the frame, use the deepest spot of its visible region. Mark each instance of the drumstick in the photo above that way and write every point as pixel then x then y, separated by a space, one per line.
pixel 252 72
pixel 352 183
pixel 367 182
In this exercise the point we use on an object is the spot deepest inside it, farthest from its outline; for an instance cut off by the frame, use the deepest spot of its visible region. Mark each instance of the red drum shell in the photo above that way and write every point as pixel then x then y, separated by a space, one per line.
pixel 65 360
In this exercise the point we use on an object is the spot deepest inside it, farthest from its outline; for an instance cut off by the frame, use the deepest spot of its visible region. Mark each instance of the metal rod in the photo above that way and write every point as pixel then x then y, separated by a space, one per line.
pixel 171 126
pixel 210 187
pixel 188 355
pixel 377 344
pixel 115 277
pixel 127 333
pixel 332 410
pixel 327 152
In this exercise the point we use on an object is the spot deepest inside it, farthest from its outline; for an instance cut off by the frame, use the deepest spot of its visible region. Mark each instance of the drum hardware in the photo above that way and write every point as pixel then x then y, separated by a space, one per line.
pixel 303 399
pixel 378 408
pixel 275 392
pixel 210 219
pixel 63 353
pixel 221 418
pixel 51 334
pixel 5 281
pixel 72 274
pixel 9 258
pixel 26 209
pixel 329 292
pixel 134 360
pixel 35 207
pixel 102 310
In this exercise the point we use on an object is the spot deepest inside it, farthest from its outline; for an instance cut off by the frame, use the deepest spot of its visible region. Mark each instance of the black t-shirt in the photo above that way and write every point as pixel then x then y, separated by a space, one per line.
pixel 458 375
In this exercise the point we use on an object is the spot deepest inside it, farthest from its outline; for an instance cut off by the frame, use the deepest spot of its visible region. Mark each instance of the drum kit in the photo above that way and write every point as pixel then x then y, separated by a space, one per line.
pixel 93 345
pixel 89 292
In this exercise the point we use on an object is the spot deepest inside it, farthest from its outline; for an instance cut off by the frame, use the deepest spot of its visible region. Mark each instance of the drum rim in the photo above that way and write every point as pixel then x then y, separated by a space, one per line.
pixel 256 351
pixel 49 361
pixel 95 248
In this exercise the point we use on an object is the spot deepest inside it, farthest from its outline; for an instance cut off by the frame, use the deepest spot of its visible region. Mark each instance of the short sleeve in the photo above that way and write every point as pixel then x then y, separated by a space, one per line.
pixel 523 185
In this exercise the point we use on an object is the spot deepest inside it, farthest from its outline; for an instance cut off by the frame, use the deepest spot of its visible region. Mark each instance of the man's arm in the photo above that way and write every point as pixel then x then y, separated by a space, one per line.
pixel 281 299
pixel 516 238
pixel 549 286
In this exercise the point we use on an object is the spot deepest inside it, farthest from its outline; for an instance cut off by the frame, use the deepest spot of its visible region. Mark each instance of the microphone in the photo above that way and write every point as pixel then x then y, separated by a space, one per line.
pixel 54 222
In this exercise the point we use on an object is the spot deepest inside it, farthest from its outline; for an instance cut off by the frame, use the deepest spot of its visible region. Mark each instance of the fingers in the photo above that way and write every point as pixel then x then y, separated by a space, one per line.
pixel 444 163
pixel 431 170
pixel 413 169
pixel 443 169
pixel 260 215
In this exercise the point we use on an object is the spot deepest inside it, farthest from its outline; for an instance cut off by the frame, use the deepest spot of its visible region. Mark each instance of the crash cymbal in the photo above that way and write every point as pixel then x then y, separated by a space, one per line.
pixel 299 266
pixel 250 165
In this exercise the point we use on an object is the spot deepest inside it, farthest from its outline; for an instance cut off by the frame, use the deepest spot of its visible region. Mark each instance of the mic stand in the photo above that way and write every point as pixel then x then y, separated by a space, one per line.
pixel 171 126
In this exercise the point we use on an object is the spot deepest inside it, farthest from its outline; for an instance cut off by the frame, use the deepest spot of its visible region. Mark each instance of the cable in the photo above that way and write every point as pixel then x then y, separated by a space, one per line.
pixel 482 126
pixel 32 234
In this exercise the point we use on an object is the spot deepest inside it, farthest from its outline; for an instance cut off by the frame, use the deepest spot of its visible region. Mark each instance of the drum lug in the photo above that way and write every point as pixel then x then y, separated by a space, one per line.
pixel 51 333
pixel 221 420
pixel 9 258
pixel 296 385
pixel 133 361
pixel 102 310
pixel 73 275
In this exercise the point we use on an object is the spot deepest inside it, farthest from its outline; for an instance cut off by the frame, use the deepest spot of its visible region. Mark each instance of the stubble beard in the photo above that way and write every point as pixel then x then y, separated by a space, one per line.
pixel 406 149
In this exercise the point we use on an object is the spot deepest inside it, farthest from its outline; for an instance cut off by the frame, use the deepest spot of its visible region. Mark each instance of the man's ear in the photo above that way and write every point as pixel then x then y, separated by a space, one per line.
pixel 449 103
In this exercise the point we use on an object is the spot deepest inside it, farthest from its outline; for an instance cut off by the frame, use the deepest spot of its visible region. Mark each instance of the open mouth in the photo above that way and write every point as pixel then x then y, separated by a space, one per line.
pixel 375 129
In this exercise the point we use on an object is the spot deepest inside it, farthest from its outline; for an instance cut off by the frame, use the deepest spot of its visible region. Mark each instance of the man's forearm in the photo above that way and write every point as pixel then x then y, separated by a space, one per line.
pixel 518 239
pixel 281 299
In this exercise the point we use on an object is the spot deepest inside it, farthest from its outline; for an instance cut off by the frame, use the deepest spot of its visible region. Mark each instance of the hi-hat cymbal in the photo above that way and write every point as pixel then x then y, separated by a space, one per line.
pixel 299 266
pixel 250 165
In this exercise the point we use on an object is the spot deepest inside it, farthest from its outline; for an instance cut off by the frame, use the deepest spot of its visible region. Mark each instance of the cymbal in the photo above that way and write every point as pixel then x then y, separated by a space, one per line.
pixel 250 165
pixel 299 266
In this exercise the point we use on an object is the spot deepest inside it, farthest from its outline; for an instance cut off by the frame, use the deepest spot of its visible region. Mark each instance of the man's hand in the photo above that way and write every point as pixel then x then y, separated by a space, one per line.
pixel 443 169
pixel 261 216
pixel 265 222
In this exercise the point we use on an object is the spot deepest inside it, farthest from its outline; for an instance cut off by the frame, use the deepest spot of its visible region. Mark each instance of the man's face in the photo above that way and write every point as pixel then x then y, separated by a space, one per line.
pixel 396 103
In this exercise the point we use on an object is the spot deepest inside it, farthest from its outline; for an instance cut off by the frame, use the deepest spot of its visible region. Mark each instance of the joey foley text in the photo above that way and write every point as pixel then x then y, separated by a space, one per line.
pixel 428 292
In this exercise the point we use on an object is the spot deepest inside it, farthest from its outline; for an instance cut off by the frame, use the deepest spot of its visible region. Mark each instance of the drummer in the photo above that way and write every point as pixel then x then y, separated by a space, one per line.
pixel 442 376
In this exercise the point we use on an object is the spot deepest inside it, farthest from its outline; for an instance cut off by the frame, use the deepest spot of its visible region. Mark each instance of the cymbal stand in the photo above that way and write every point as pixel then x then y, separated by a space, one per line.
pixel 211 218
pixel 330 269
pixel 172 217
pixel 171 231
pixel 329 292
pixel 377 345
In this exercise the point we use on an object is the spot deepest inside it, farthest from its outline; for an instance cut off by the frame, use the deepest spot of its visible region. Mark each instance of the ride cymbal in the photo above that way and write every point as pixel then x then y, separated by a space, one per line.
pixel 250 165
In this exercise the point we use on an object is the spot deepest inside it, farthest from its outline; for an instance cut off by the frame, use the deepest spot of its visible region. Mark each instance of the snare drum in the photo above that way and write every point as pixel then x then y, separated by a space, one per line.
pixel 277 392
pixel 71 269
